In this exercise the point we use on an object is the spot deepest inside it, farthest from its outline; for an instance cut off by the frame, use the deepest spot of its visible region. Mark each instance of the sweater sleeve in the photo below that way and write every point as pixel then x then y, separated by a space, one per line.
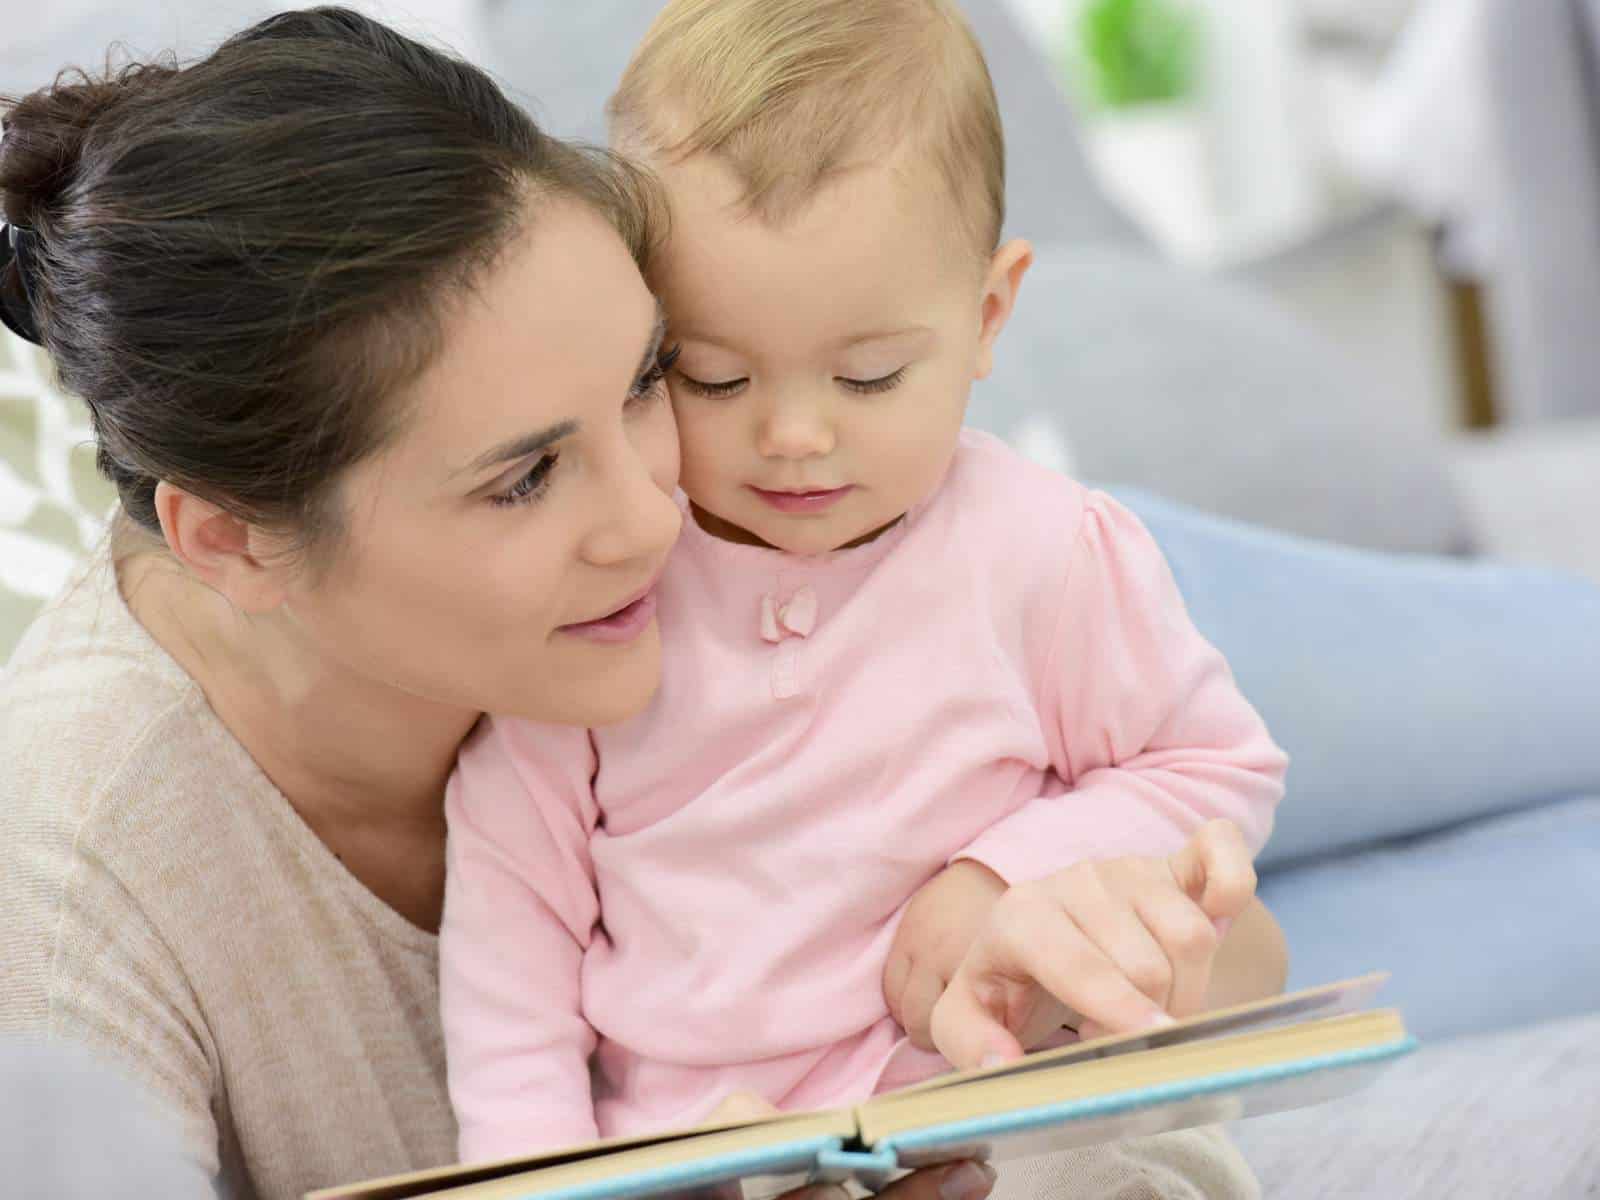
pixel 87 966
pixel 1142 717
pixel 520 909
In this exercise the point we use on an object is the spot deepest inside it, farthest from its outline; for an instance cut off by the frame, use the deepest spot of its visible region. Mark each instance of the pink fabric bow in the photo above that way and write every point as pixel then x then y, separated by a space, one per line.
pixel 796 616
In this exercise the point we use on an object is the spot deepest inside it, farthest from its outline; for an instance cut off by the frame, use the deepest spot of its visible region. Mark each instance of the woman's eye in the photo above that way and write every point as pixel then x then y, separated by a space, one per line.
pixel 530 486
pixel 721 388
pixel 884 383
pixel 647 386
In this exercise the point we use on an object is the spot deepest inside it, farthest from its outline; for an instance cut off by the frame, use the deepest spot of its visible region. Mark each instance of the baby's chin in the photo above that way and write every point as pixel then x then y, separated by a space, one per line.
pixel 803 536
pixel 810 539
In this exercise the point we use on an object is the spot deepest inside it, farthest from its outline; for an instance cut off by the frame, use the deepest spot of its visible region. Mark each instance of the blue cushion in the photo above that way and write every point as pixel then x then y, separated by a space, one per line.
pixel 1485 926
pixel 1411 693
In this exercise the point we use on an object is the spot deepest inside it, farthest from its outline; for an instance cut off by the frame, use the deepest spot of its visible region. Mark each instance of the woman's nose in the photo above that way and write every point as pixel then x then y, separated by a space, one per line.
pixel 641 520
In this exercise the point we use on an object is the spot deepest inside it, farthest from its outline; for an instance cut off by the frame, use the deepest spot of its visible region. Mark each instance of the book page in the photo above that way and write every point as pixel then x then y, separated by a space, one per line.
pixel 1185 1065
pixel 1186 1112
pixel 600 1160
pixel 766 1148
pixel 604 1157
pixel 1311 1004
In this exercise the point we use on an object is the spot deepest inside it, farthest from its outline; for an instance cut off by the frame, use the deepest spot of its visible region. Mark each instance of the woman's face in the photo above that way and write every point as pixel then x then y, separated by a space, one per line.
pixel 527 496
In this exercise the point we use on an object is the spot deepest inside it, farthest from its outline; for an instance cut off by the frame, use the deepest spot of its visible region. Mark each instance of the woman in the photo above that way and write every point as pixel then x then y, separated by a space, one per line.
pixel 338 309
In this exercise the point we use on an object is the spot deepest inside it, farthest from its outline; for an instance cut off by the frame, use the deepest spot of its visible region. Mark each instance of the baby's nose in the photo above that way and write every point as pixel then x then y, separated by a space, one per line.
pixel 797 431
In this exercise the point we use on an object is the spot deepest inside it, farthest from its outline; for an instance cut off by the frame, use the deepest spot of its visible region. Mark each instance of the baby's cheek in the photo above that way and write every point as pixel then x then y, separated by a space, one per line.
pixel 920 447
pixel 664 449
pixel 704 436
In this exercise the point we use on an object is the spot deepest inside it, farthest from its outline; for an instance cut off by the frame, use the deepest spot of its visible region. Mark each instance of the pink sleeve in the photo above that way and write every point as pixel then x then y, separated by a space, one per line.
pixel 520 908
pixel 1142 716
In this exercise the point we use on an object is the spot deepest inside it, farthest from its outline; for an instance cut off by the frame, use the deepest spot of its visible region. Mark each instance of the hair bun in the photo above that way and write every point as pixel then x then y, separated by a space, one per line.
pixel 44 133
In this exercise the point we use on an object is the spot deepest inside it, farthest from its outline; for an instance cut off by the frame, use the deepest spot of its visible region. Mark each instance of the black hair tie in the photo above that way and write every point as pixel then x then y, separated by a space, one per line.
pixel 18 264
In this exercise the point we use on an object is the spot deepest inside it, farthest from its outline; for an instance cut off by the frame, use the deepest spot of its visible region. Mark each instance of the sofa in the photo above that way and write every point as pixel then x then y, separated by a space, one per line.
pixel 1471 867
pixel 1469 864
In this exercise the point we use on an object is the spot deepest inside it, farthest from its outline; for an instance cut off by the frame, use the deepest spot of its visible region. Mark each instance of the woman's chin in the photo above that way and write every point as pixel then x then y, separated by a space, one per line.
pixel 602 713
pixel 600 684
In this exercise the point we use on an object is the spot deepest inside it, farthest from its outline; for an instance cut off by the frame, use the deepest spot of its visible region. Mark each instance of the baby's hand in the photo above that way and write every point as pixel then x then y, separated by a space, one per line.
pixel 741 1106
pixel 942 921
pixel 1127 942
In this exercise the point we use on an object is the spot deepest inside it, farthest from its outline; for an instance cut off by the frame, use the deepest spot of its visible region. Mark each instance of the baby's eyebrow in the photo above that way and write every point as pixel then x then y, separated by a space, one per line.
pixel 695 337
pixel 884 335
pixel 684 336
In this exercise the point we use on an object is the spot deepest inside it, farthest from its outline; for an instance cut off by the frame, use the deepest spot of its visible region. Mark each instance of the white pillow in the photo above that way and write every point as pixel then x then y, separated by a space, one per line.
pixel 1533 496
pixel 53 503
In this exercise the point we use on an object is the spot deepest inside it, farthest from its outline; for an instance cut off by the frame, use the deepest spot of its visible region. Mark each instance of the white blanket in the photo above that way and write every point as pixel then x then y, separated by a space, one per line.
pixel 1494 1116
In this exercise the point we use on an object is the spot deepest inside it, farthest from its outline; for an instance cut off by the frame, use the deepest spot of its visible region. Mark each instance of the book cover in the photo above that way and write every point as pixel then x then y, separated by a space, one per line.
pixel 1287 1052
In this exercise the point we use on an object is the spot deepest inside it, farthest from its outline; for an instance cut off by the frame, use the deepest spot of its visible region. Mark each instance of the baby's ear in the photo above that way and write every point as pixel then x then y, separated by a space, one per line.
pixel 1001 283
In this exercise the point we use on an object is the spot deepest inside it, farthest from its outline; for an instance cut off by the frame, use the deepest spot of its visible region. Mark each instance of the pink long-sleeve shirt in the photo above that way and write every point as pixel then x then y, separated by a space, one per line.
pixel 701 900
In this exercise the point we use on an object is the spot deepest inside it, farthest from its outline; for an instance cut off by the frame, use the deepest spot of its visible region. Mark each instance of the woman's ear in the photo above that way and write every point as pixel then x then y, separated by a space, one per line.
pixel 1001 284
pixel 228 554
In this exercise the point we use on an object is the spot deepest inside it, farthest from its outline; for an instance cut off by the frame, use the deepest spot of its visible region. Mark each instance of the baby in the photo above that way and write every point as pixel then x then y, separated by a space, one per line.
pixel 888 643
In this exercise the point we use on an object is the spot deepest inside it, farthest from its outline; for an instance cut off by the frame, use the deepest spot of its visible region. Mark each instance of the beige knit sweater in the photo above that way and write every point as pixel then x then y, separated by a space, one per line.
pixel 164 904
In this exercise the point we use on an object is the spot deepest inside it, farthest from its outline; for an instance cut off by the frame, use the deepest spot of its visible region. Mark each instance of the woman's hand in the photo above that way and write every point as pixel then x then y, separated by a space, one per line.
pixel 1129 943
pixel 953 1181
pixel 957 1181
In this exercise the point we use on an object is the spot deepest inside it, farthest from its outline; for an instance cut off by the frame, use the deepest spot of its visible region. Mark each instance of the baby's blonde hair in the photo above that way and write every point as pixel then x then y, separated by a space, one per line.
pixel 789 93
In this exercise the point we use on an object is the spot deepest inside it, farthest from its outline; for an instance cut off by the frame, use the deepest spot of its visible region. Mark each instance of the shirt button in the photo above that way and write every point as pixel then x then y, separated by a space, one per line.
pixel 786 673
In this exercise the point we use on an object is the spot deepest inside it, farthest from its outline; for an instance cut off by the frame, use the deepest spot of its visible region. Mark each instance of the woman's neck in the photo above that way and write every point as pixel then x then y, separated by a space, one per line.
pixel 352 755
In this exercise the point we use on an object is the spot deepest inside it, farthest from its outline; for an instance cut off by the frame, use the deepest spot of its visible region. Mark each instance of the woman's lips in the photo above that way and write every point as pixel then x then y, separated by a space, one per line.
pixel 804 502
pixel 622 626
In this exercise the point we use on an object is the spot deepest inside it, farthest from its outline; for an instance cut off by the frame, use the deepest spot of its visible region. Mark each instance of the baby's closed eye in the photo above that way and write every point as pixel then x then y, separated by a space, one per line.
pixel 711 387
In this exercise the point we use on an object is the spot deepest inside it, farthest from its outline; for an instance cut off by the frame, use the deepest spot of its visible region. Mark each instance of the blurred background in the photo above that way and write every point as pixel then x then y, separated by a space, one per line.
pixel 1330 267
pixel 1418 181
pixel 1412 185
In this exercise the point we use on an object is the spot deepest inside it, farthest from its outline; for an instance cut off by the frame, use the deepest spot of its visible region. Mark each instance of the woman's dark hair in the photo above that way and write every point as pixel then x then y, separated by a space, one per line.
pixel 235 263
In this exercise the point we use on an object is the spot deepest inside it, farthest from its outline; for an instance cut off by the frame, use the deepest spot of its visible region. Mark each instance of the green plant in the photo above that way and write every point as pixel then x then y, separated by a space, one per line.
pixel 1139 51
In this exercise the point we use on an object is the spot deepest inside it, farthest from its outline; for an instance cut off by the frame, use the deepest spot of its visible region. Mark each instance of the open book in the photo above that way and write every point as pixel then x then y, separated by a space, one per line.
pixel 1286 1052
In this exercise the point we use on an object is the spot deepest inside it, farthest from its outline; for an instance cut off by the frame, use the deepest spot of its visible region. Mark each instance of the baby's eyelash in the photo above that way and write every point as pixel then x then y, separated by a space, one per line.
pixel 884 383
pixel 720 389
pixel 728 387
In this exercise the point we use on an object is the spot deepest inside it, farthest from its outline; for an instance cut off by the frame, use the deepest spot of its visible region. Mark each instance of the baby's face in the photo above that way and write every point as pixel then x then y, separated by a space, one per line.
pixel 825 362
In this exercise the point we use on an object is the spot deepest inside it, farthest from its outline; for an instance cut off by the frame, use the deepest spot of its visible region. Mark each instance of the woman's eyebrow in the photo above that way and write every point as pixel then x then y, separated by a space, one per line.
pixel 531 443
pixel 519 447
